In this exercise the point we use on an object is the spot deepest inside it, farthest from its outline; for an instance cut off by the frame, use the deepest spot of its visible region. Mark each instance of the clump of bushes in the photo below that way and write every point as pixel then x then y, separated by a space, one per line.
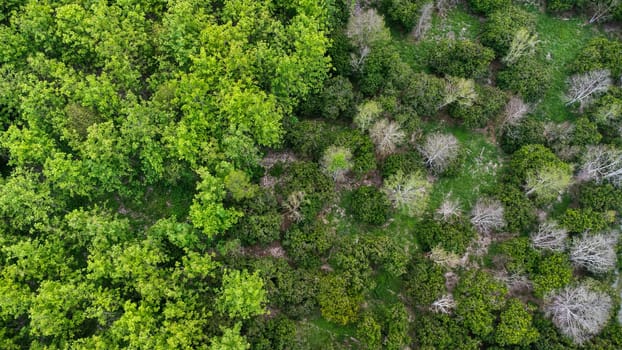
pixel 369 205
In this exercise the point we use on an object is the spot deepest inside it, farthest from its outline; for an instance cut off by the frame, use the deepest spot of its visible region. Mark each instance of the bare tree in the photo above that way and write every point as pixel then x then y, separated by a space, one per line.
pixel 439 151
pixel 424 23
pixel 583 87
pixel 579 312
pixel 487 215
pixel 386 136
pixel 550 236
pixel 443 6
pixel 449 210
pixel 523 43
pixel 409 192
pixel 595 252
pixel 602 163
pixel 459 90
pixel 515 111
pixel 365 28
pixel 602 10
pixel 446 304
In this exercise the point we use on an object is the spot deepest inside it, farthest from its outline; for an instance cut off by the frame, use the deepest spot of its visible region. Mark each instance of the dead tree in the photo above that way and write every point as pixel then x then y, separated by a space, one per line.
pixel 602 163
pixel 445 305
pixel 515 111
pixel 386 136
pixel 602 10
pixel 550 236
pixel 487 215
pixel 583 87
pixel 424 23
pixel 579 312
pixel 365 28
pixel 439 151
pixel 595 253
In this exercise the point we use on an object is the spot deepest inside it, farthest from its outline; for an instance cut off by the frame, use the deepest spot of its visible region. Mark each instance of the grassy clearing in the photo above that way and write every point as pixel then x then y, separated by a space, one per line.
pixel 477 175
pixel 563 39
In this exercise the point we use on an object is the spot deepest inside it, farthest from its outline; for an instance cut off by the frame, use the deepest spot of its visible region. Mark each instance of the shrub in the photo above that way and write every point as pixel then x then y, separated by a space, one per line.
pixel 369 332
pixel 378 66
pixel 600 53
pixel 308 178
pixel 337 98
pixel 425 93
pixel 528 159
pixel 308 244
pixel 424 281
pixel 518 256
pixel 309 138
pixel 441 331
pixel 515 325
pixel 530 78
pixel 363 153
pixel 336 303
pixel 585 133
pixel 553 271
pixel 261 221
pixel 404 12
pixel 408 162
pixel 337 161
pixel 502 25
pixel 487 6
pixel 600 197
pixel 529 131
pixel 460 58
pixel 489 103
pixel 452 236
pixel 560 5
pixel 369 205
pixel 581 220
pixel 340 53
pixel 367 114
pixel 520 212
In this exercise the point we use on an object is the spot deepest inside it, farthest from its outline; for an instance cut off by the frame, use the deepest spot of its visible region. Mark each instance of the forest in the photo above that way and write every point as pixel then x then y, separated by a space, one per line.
pixel 311 174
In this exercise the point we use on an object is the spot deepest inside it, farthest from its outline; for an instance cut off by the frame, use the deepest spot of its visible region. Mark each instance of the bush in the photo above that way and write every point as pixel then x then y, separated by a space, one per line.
pixel 605 111
pixel 307 245
pixel 553 271
pixel 530 78
pixel 425 93
pixel 309 138
pixel 408 163
pixel 261 222
pixel 529 159
pixel 517 255
pixel 363 152
pixel 337 99
pixel 489 104
pixel 529 131
pixel 600 197
pixel 424 281
pixel 581 220
pixel 560 5
pixel 485 7
pixel 460 58
pixel 585 133
pixel 369 205
pixel 520 212
pixel 336 303
pixel 600 53
pixel 451 236
pixel 274 333
pixel 443 332
pixel 502 25
pixel 316 186
pixel 377 67
pixel 403 12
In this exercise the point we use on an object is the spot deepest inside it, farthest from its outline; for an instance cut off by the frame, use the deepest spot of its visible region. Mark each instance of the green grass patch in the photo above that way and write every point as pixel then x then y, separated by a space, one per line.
pixel 477 175
pixel 562 39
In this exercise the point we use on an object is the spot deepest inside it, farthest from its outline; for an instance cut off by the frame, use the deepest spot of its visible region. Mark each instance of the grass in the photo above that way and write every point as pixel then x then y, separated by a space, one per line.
pixel 478 174
pixel 563 39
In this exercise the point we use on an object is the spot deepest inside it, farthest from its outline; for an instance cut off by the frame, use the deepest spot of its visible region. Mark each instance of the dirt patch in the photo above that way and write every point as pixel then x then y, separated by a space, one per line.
pixel 275 250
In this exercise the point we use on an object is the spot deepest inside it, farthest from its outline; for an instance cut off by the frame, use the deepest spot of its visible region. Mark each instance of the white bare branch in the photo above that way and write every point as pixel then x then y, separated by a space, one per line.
pixel 487 215
pixel 602 10
pixel 365 28
pixel 595 252
pixel 523 43
pixel 579 312
pixel 583 87
pixel 449 210
pixel 439 150
pixel 446 304
pixel 602 163
pixel 515 111
pixel 444 258
pixel 424 23
pixel 550 236
pixel 386 136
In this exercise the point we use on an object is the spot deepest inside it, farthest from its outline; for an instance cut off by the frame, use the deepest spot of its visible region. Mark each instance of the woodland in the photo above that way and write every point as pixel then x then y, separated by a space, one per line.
pixel 310 174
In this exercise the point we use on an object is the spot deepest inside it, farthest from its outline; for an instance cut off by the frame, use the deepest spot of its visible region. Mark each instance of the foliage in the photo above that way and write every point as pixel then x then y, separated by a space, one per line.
pixel 599 53
pixel 408 192
pixel 441 331
pixel 425 93
pixel 488 105
pixel 317 187
pixel 337 161
pixel 369 332
pixel 528 77
pixel 261 221
pixel 404 12
pixel 460 58
pixel 368 113
pixel 519 211
pixel 452 236
pixel 553 271
pixel 599 197
pixel 502 25
pixel 487 6
pixel 306 245
pixel 369 205
pixel 424 281
pixel 527 131
pixel 478 296
pixel 582 220
pixel 242 294
pixel 336 302
pixel 515 326
pixel 408 162
pixel 337 98
pixel 585 133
